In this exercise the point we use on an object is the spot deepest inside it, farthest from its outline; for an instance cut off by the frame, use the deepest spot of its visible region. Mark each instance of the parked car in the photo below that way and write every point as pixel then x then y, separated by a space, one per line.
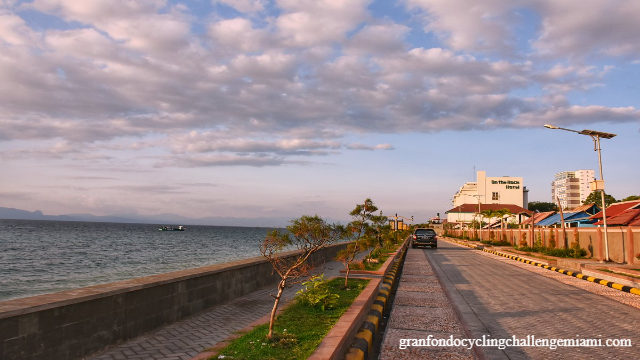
pixel 424 237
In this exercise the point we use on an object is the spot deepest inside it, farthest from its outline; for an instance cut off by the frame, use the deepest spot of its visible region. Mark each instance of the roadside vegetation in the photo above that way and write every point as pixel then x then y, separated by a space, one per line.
pixel 572 251
pixel 300 327
pixel 621 273
pixel 371 233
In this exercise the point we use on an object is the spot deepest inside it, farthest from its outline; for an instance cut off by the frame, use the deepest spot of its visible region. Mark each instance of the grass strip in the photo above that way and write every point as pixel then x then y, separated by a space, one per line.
pixel 619 273
pixel 527 254
pixel 298 330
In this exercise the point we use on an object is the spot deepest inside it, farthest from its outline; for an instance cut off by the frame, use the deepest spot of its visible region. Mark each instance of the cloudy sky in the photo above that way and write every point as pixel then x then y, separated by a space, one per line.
pixel 259 108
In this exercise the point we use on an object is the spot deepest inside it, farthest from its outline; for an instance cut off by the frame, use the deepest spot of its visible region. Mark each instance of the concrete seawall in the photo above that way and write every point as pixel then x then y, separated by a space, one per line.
pixel 76 323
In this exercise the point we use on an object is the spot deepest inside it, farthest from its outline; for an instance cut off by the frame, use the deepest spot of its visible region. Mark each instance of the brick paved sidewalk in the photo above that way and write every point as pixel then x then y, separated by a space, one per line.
pixel 187 338
pixel 421 309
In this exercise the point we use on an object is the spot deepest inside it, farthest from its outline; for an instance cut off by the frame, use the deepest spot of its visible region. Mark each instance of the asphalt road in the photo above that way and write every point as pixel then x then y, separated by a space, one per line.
pixel 499 300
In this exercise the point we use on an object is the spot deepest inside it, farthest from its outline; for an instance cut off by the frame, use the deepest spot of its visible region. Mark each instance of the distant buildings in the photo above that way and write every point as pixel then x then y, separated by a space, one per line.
pixel 571 188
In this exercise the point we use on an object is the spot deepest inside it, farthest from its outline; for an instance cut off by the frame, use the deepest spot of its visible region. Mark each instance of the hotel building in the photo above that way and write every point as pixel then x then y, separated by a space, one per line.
pixel 503 190
pixel 571 188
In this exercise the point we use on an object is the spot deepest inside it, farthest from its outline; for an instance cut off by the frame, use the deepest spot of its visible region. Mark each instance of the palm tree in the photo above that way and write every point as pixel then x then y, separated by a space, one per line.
pixel 501 214
pixel 489 214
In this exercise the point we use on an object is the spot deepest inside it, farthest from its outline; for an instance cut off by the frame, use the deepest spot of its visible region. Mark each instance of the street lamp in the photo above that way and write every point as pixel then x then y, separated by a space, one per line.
pixel 401 217
pixel 595 135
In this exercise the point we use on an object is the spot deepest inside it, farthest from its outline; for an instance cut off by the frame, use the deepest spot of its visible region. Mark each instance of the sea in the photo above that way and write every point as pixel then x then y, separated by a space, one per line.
pixel 41 257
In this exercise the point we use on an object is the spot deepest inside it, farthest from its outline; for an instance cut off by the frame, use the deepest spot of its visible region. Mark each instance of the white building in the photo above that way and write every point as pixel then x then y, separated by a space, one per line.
pixel 503 190
pixel 493 190
pixel 571 188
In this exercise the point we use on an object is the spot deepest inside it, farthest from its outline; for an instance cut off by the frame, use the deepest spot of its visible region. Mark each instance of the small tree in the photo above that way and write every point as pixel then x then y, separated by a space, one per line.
pixel 489 214
pixel 523 241
pixel 375 233
pixel 361 216
pixel 501 214
pixel 307 234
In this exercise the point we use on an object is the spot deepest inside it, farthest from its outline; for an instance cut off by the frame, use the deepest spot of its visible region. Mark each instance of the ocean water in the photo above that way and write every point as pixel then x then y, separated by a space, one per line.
pixel 40 257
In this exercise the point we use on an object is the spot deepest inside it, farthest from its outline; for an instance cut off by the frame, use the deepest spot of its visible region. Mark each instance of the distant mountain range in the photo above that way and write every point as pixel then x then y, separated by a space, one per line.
pixel 171 219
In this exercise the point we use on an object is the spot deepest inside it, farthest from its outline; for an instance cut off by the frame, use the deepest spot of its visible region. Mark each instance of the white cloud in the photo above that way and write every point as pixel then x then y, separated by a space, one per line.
pixel 380 38
pixel 221 160
pixel 358 146
pixel 568 115
pixel 313 72
pixel 468 24
pixel 14 31
pixel 195 142
pixel 575 28
pixel 310 23
pixel 245 6
pixel 138 24
pixel 239 34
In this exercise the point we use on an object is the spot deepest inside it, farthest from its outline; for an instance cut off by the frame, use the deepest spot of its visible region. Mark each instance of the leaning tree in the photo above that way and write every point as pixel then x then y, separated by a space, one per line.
pixel 307 234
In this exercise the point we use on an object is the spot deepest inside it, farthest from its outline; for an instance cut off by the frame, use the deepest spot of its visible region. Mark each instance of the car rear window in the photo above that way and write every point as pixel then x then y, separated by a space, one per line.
pixel 425 232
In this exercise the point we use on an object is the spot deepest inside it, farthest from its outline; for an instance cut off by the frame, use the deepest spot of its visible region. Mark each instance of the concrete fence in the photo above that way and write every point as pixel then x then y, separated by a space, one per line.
pixel 624 242
pixel 76 323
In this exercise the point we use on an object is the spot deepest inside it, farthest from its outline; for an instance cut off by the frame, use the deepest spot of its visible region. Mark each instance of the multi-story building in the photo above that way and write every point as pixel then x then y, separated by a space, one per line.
pixel 504 190
pixel 571 188
pixel 492 190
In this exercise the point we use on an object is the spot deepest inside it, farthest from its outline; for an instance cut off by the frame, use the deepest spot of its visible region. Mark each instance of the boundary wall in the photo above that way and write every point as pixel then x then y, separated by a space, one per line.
pixel 624 242
pixel 76 323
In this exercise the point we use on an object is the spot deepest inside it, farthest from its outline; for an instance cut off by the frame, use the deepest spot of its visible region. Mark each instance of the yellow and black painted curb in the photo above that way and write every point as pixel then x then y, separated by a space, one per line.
pixel 578 275
pixel 611 284
pixel 361 347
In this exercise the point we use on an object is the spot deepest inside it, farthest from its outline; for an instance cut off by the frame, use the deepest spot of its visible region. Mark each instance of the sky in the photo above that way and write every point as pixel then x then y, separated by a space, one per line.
pixel 284 108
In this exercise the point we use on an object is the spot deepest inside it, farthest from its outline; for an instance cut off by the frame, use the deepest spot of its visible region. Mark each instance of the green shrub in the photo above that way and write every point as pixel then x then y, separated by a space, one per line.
pixel 552 239
pixel 538 243
pixel 316 293
pixel 523 240
pixel 496 243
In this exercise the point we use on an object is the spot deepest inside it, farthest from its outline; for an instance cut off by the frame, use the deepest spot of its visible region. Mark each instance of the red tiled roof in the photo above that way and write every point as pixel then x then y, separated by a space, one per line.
pixel 538 217
pixel 473 208
pixel 585 208
pixel 617 208
pixel 624 218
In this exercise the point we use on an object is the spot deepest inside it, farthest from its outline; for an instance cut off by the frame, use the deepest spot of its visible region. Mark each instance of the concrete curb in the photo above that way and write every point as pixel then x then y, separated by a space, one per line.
pixel 611 284
pixel 363 341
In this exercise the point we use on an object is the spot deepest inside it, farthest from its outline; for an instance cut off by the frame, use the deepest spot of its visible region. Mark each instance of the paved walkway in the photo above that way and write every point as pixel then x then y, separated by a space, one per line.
pixel 185 339
pixel 421 309
pixel 499 299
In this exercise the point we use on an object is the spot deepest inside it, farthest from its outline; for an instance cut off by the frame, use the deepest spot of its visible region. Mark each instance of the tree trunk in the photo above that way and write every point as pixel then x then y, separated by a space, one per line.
pixel 281 287
pixel 346 278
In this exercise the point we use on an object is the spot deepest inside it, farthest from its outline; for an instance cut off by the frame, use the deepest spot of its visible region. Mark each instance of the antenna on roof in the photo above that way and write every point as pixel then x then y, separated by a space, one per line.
pixel 475 175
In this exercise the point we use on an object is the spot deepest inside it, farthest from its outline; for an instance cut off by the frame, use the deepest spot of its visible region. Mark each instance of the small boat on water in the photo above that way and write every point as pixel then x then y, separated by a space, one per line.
pixel 173 228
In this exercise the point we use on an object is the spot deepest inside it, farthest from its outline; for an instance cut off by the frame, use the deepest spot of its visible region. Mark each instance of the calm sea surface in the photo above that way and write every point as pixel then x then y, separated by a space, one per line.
pixel 40 257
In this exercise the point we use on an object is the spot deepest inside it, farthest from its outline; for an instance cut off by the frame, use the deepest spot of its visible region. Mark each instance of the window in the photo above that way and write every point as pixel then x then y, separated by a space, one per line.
pixel 495 195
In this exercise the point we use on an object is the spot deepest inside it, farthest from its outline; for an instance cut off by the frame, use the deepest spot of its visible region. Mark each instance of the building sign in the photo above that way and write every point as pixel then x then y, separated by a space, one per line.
pixel 509 184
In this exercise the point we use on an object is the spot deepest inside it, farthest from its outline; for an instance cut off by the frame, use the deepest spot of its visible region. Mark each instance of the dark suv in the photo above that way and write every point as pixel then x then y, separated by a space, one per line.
pixel 424 237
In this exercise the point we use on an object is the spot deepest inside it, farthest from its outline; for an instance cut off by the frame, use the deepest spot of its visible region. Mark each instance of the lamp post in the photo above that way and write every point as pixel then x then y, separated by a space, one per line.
pixel 595 135
pixel 401 217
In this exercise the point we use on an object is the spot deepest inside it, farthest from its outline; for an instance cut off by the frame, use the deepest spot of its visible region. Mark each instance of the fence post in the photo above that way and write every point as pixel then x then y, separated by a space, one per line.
pixel 599 244
pixel 631 256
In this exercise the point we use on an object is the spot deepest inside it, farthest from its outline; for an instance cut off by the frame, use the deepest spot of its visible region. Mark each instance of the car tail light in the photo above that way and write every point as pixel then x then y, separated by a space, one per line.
pixel 414 237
